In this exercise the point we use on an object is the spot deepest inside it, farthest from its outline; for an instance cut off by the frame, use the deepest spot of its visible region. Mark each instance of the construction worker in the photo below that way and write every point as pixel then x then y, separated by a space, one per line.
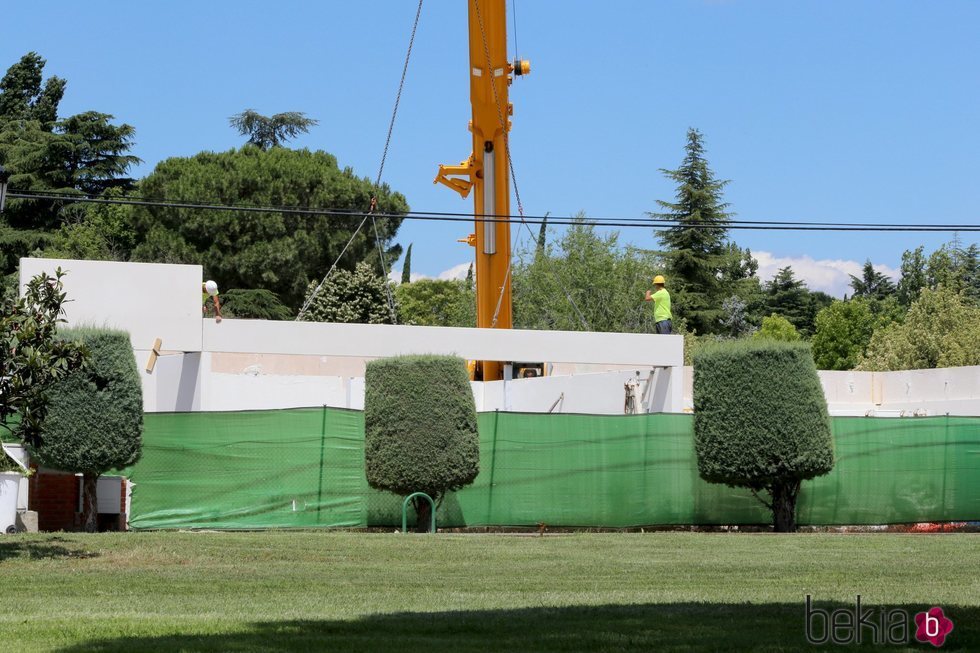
pixel 210 289
pixel 661 305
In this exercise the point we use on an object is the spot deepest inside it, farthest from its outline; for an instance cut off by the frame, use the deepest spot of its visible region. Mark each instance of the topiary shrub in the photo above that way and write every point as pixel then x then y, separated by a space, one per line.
pixel 420 427
pixel 761 421
pixel 95 419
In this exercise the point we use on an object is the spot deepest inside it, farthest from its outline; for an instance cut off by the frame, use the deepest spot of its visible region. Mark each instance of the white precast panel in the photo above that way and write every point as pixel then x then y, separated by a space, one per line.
pixel 149 300
pixel 380 340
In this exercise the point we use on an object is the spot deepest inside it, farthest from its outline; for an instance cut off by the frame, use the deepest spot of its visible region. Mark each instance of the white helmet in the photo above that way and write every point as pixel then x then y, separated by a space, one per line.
pixel 211 287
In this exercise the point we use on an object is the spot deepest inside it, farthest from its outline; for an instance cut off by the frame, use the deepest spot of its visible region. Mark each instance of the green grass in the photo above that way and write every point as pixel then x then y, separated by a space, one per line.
pixel 327 591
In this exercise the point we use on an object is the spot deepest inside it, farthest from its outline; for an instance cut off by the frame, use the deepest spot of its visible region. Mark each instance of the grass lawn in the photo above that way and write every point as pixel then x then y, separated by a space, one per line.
pixel 334 591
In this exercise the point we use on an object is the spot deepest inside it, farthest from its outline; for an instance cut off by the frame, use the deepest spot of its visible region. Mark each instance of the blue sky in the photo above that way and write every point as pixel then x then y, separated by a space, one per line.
pixel 819 110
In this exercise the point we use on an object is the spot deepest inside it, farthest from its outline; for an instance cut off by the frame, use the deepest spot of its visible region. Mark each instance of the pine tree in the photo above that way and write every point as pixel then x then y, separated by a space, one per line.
pixel 696 243
pixel 872 284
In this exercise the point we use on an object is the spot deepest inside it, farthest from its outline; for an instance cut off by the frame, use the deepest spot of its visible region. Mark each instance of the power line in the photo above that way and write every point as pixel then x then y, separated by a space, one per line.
pixel 440 216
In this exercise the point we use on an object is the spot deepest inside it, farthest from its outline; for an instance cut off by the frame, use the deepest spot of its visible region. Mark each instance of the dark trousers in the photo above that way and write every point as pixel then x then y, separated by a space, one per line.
pixel 663 327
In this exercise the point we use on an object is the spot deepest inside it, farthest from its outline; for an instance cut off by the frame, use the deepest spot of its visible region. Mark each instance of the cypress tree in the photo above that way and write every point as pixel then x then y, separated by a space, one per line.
pixel 407 267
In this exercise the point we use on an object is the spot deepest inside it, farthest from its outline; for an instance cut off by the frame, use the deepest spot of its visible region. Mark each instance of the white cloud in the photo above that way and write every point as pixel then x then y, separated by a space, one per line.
pixel 396 276
pixel 832 276
pixel 455 272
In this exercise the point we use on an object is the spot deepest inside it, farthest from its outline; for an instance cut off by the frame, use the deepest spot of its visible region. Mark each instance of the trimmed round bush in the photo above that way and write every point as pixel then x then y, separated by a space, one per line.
pixel 761 421
pixel 95 420
pixel 420 427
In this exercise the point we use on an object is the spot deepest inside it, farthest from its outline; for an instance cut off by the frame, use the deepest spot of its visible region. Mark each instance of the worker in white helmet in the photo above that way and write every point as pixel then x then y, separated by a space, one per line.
pixel 210 289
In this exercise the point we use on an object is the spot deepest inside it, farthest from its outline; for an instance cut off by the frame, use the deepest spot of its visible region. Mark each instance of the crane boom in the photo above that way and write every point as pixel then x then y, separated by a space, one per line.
pixel 487 171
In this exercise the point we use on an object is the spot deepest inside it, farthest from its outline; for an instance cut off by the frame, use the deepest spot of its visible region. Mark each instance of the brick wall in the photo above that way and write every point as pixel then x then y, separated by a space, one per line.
pixel 55 498
pixel 54 495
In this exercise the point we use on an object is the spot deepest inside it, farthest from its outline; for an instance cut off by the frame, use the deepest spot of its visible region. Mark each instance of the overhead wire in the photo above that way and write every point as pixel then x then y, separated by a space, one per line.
pixel 377 185
pixel 443 216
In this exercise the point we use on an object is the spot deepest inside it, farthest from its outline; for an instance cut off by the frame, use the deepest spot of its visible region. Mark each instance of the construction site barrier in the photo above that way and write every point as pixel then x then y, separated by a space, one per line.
pixel 304 468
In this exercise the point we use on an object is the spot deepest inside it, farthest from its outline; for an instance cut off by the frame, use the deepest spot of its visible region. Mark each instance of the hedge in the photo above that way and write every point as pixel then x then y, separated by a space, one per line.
pixel 420 425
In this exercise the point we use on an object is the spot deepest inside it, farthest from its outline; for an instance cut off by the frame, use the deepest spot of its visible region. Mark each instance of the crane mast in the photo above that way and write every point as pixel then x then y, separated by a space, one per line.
pixel 486 173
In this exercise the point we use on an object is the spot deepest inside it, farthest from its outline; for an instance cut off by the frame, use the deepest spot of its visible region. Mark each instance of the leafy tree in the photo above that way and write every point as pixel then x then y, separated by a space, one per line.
pixel 942 269
pixel 32 357
pixel 776 327
pixel 101 232
pixel 407 265
pixel 271 131
pixel 95 422
pixel 22 96
pixel 696 246
pixel 584 281
pixel 872 284
pixel 913 276
pixel 843 332
pixel 280 252
pixel 941 329
pixel 761 421
pixel 256 304
pixel 436 302
pixel 16 244
pixel 358 297
pixel 420 427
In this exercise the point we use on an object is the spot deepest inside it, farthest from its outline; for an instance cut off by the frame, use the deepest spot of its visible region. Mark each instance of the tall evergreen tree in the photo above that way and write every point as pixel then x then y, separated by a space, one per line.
pixel 542 236
pixel 789 297
pixel 83 153
pixel 970 264
pixel 872 284
pixel 24 98
pixel 92 154
pixel 407 267
pixel 696 242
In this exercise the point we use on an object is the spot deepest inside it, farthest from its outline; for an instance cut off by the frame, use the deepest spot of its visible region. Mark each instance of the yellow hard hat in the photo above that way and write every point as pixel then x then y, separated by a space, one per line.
pixel 659 279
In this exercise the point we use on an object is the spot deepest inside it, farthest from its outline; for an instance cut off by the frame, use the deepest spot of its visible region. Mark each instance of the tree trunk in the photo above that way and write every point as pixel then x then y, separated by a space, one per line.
pixel 90 503
pixel 783 495
pixel 423 514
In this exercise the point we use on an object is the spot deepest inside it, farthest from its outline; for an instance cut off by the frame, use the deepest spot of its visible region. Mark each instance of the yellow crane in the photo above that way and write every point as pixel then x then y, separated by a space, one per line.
pixel 486 173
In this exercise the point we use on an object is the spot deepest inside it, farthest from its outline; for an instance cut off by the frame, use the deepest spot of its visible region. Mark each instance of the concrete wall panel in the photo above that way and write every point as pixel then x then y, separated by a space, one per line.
pixel 148 300
pixel 377 340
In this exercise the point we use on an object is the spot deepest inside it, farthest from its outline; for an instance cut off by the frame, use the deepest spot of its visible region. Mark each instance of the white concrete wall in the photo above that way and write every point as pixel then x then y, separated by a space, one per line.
pixel 379 340
pixel 951 390
pixel 148 300
pixel 601 393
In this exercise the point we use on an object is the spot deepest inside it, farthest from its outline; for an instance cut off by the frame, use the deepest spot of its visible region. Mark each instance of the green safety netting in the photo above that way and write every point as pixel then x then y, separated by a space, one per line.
pixel 304 468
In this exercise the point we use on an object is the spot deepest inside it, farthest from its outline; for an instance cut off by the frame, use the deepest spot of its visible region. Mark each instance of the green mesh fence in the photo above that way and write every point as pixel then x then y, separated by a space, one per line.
pixel 297 468
pixel 305 468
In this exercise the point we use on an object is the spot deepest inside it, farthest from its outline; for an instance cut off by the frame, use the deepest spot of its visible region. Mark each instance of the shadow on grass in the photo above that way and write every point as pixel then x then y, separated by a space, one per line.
pixel 21 547
pixel 647 627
